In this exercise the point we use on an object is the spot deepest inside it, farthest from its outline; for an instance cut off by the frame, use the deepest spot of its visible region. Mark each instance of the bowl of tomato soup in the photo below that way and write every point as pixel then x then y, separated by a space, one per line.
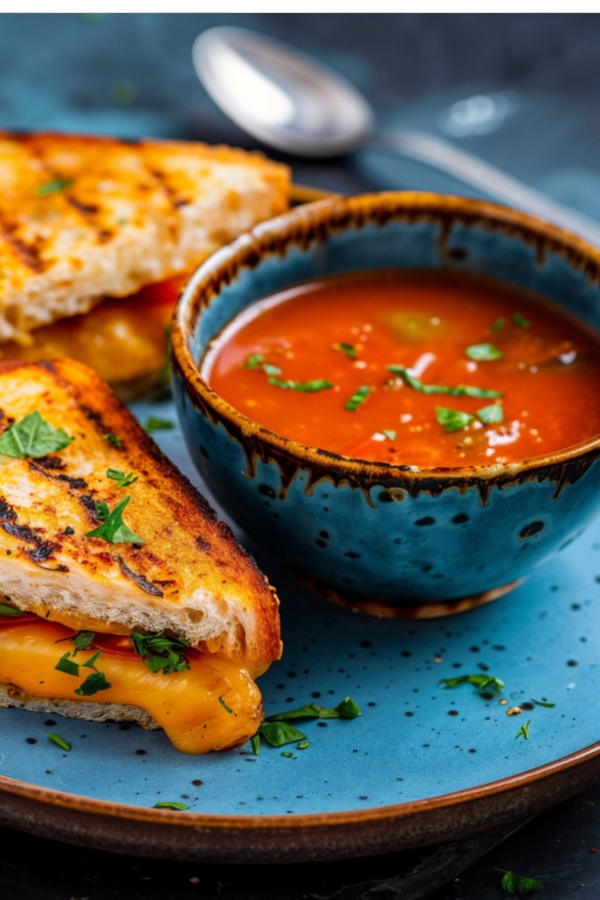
pixel 398 394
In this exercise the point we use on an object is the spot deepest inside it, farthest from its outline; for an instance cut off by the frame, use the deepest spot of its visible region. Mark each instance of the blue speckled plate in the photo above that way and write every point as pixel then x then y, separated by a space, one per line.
pixel 421 764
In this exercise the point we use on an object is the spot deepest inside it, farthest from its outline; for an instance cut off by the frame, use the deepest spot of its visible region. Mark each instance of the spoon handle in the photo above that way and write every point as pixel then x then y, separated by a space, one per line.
pixel 481 175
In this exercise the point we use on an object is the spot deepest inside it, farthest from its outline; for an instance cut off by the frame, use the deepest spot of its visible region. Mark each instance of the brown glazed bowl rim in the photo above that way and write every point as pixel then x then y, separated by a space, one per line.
pixel 334 215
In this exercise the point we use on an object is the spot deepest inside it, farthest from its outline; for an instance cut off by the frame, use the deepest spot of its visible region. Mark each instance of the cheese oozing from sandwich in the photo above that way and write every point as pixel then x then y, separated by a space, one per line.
pixel 213 705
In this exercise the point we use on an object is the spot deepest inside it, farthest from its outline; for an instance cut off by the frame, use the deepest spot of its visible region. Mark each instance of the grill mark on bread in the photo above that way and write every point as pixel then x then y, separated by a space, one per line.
pixel 74 482
pixel 7 513
pixel 27 253
pixel 43 549
pixel 90 507
pixel 138 579
pixel 50 462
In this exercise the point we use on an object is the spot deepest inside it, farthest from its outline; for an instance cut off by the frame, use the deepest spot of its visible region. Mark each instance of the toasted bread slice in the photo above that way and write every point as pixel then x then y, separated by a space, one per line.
pixel 189 576
pixel 87 217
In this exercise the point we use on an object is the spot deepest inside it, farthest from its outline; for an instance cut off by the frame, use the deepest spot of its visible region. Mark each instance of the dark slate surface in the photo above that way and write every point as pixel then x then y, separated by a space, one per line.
pixel 132 75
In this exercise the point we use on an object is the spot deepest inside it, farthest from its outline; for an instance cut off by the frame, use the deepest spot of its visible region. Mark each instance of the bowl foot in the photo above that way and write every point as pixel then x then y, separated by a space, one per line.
pixel 383 608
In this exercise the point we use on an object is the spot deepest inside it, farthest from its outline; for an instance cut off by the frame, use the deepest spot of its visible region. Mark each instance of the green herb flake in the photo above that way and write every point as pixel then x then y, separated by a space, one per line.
pixel 114 530
pixel 9 610
pixel 498 324
pixel 523 731
pixel 170 804
pixel 153 423
pixel 459 390
pixel 520 321
pixel 277 734
pixel 102 511
pixel 357 398
pixel 255 744
pixel 490 415
pixel 318 384
pixel 389 433
pixel 83 639
pixel 123 93
pixel 289 755
pixel 121 478
pixel 348 349
pixel 33 437
pixel 161 653
pixel 543 703
pixel 227 709
pixel 303 745
pixel 452 419
pixel 113 439
pixel 483 352
pixel 66 665
pixel 519 884
pixel 53 187
pixel 269 369
pixel 481 682
pixel 95 682
pixel 60 742
pixel 254 361
pixel 347 709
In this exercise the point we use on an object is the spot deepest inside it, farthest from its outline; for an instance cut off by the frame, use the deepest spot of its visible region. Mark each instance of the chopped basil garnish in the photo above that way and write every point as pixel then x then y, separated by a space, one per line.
pixel 170 804
pixel 460 390
pixel 358 398
pixel 519 884
pixel 9 610
pixel 319 384
pixel 269 369
pixel 483 352
pixel 452 419
pixel 254 361
pixel 348 349
pixel 33 437
pixel 277 734
pixel 389 433
pixel 520 321
pixel 162 653
pixel 277 731
pixel 523 731
pixel 113 439
pixel 543 703
pixel 60 742
pixel 224 705
pixel 481 682
pixel 289 755
pixel 498 324
pixel 121 478
pixel 52 187
pixel 303 745
pixel 153 423
pixel 94 682
pixel 113 529
pixel 102 511
pixel 489 415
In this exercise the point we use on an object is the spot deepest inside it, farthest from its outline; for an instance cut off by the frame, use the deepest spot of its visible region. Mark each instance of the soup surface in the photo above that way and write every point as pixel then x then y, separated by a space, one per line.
pixel 413 368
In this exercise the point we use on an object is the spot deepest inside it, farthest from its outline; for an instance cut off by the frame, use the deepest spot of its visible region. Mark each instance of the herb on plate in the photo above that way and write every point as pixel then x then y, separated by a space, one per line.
pixel 162 653
pixel 33 437
pixel 481 682
pixel 154 423
pixel 170 804
pixel 113 529
pixel 523 731
pixel 519 884
pixel 277 731
pixel 60 742
pixel 543 703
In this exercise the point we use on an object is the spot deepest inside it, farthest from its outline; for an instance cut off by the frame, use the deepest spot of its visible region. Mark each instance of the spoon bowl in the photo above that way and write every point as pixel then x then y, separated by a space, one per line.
pixel 282 97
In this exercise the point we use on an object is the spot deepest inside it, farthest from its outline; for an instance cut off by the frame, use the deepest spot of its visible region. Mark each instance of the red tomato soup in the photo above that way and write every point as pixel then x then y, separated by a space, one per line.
pixel 413 368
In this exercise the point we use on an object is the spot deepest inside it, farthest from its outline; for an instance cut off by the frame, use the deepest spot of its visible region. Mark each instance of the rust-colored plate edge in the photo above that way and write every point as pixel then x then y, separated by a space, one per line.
pixel 294 838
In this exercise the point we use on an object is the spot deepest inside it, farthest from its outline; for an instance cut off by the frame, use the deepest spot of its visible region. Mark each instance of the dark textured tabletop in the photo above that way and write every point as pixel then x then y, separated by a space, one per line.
pixel 132 75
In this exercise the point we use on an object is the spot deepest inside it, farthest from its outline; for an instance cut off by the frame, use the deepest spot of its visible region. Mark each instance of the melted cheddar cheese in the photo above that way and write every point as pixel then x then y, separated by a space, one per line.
pixel 191 706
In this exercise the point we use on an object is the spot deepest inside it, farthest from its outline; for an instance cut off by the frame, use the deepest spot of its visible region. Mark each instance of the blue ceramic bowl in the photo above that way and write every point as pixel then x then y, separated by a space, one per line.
pixel 387 539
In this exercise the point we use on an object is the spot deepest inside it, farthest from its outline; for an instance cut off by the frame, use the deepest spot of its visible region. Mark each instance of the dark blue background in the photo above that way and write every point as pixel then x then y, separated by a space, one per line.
pixel 132 75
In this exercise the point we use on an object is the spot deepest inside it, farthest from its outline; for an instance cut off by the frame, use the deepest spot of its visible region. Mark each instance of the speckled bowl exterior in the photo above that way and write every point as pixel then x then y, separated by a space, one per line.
pixel 391 540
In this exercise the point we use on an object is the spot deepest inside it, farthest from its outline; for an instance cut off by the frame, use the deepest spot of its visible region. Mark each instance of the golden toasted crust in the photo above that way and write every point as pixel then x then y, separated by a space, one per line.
pixel 190 576
pixel 87 217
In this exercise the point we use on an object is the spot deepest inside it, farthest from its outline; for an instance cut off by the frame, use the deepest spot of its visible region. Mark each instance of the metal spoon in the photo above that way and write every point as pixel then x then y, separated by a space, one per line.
pixel 290 101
